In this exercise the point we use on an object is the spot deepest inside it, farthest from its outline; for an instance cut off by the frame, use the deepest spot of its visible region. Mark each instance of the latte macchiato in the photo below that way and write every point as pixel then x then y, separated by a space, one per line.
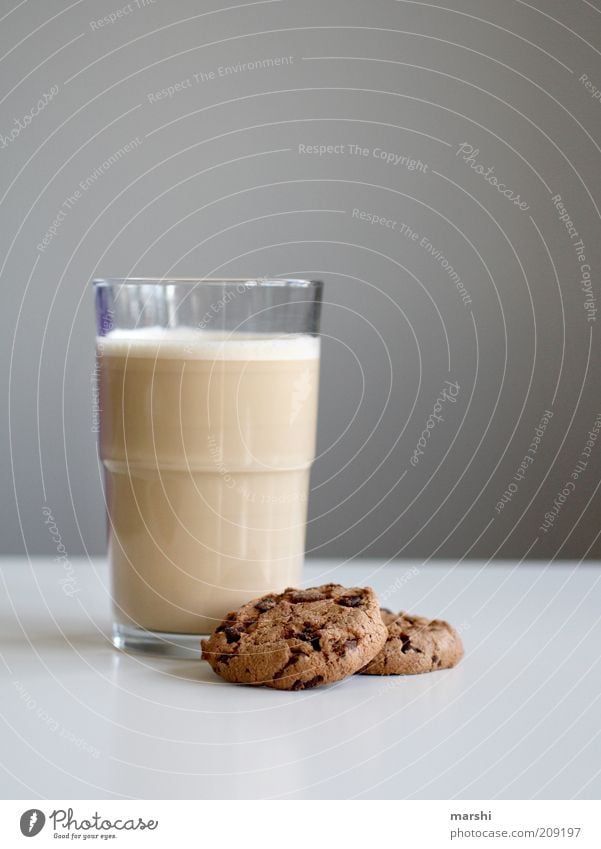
pixel 207 442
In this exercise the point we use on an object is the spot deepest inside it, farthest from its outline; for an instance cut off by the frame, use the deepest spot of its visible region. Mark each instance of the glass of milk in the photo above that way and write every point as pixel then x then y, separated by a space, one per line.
pixel 208 409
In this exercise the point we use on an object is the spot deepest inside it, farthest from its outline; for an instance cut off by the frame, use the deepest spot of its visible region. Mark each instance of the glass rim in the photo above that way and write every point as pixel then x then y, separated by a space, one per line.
pixel 251 282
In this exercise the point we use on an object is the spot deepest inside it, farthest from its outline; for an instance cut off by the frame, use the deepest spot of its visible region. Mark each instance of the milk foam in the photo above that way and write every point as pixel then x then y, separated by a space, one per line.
pixel 188 343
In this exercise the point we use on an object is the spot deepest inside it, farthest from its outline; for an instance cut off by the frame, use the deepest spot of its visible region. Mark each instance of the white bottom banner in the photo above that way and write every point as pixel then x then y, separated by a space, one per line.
pixel 428 824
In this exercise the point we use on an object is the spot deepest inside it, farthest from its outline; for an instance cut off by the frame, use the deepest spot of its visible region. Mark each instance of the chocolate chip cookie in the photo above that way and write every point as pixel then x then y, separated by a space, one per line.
pixel 415 645
pixel 298 639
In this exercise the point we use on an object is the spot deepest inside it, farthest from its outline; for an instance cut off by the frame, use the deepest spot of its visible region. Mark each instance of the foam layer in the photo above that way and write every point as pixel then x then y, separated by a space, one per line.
pixel 188 343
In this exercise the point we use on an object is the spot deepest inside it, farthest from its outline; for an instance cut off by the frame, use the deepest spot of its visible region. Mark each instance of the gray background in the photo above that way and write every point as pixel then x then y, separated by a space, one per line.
pixel 217 185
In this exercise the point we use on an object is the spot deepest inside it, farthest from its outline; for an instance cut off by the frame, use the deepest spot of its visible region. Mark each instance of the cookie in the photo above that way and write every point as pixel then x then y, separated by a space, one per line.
pixel 415 644
pixel 298 639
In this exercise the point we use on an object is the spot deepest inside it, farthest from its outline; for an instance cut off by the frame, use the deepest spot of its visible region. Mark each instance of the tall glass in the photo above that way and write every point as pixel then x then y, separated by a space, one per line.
pixel 208 409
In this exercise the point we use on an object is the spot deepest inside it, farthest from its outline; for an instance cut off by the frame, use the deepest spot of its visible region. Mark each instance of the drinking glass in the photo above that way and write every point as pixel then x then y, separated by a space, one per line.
pixel 208 408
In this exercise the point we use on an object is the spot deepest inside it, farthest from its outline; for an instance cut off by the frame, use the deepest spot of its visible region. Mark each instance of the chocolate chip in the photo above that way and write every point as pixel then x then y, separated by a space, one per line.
pixel 304 596
pixel 435 658
pixel 298 685
pixel 349 600
pixel 265 604
pixel 224 658
pixel 232 635
pixel 308 635
pixel 406 643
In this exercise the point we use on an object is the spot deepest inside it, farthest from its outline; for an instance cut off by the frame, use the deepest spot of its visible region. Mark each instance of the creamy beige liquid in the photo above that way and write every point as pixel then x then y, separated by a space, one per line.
pixel 207 444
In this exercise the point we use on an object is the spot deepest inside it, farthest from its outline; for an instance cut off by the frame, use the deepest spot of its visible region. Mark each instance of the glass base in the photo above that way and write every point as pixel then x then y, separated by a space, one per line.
pixel 130 638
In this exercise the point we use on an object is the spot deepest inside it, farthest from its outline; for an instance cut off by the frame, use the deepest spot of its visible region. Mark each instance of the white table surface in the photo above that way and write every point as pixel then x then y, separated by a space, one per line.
pixel 518 718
